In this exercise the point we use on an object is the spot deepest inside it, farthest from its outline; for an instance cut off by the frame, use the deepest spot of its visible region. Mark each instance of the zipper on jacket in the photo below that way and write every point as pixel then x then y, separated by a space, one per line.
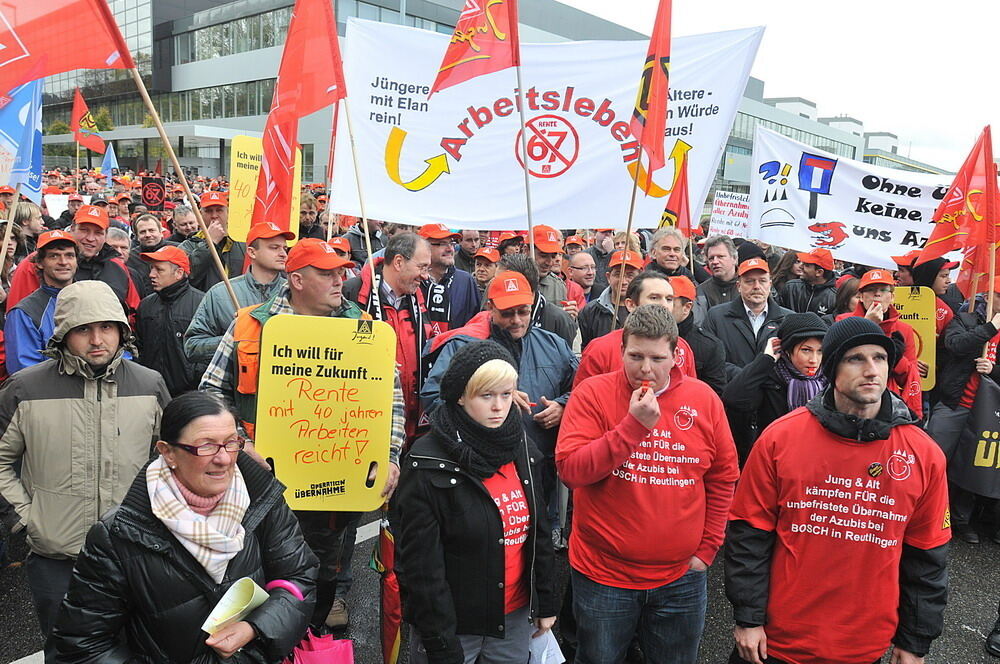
pixel 534 541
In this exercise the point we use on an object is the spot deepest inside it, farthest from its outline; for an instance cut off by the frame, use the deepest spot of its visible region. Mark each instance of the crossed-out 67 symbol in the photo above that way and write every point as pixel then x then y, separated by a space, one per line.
pixel 553 146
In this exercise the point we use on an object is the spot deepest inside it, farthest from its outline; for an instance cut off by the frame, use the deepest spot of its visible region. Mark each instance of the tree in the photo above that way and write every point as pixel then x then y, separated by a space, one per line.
pixel 58 127
pixel 102 118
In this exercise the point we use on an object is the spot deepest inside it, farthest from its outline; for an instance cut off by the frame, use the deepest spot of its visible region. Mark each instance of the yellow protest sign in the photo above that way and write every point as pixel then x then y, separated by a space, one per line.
pixel 244 165
pixel 324 409
pixel 917 308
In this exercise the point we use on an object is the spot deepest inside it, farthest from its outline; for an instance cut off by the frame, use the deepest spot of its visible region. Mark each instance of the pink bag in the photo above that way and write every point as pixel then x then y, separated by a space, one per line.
pixel 322 650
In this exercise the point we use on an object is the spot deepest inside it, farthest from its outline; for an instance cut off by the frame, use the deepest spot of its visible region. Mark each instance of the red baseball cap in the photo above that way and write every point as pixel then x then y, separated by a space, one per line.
pixel 753 264
pixel 312 252
pixel 907 259
pixel 821 257
pixel 547 240
pixel 510 289
pixel 876 277
pixel 492 255
pixel 266 230
pixel 210 198
pixel 75 198
pixel 6 189
pixel 169 254
pixel 630 258
pixel 340 244
pixel 92 214
pixel 508 235
pixel 604 230
pixel 575 239
pixel 683 288
pixel 438 232
pixel 54 236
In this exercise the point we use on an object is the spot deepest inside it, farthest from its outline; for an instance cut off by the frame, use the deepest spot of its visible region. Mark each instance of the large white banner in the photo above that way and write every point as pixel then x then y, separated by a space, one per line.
pixel 455 158
pixel 802 198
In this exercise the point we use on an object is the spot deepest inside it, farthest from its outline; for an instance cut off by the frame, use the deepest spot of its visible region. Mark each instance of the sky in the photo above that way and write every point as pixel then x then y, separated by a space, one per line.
pixel 927 72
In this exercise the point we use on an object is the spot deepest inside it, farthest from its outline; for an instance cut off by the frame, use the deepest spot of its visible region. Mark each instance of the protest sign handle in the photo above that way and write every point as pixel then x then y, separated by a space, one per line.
pixel 361 196
pixel 184 182
pixel 10 226
pixel 524 161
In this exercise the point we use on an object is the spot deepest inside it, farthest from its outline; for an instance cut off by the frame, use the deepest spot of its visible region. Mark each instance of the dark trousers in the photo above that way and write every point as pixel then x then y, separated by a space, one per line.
pixel 331 536
pixel 48 580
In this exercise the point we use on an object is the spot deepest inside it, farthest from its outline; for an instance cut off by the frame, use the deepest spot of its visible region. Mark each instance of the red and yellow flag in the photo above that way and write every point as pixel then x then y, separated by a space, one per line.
pixel 83 125
pixel 649 119
pixel 485 40
pixel 677 212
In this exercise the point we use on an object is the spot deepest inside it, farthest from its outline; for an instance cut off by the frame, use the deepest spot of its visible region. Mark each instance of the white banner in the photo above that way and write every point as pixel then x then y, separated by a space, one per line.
pixel 455 159
pixel 730 214
pixel 802 198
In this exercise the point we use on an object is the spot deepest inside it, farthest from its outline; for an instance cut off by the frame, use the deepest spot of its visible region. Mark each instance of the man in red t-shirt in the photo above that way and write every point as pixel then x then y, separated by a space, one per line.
pixel 648 454
pixel 837 540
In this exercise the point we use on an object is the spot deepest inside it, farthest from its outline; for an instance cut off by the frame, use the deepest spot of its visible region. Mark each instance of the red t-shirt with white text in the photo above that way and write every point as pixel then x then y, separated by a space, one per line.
pixel 508 494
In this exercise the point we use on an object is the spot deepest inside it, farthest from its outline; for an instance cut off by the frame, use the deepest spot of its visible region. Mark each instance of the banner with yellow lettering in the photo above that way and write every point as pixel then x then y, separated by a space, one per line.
pixel 975 464
pixel 324 409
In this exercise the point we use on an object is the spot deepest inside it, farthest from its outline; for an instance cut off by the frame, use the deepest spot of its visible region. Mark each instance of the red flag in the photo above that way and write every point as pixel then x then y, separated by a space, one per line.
pixel 485 40
pixel 159 167
pixel 677 212
pixel 311 77
pixel 83 125
pixel 974 273
pixel 383 561
pixel 45 37
pixel 970 199
pixel 649 119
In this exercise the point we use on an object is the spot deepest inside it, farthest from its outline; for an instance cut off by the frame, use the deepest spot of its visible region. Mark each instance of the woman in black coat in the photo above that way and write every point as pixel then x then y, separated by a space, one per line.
pixel 784 377
pixel 147 579
pixel 475 559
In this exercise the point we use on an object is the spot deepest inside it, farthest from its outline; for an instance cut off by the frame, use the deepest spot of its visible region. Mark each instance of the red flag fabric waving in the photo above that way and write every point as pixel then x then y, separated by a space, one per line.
pixel 311 77
pixel 45 37
pixel 678 209
pixel 971 199
pixel 83 125
pixel 649 119
pixel 485 40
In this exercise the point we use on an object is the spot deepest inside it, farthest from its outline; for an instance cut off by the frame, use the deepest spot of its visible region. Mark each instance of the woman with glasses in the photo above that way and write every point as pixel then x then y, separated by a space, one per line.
pixel 198 518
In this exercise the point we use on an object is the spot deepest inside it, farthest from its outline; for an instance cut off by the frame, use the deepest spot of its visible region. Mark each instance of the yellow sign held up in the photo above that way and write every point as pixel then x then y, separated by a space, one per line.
pixel 917 308
pixel 324 409
pixel 244 165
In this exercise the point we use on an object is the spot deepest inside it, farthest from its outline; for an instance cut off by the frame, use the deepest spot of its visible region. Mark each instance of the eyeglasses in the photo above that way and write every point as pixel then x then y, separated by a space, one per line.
pixel 211 449
pixel 585 268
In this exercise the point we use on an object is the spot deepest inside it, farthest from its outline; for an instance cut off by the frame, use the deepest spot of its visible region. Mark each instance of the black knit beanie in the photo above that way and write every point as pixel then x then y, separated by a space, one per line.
pixel 925 273
pixel 847 334
pixel 465 362
pixel 748 250
pixel 798 327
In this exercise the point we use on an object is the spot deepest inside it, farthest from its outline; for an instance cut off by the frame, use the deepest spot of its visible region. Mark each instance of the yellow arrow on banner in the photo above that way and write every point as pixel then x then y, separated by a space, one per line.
pixel 678 154
pixel 436 165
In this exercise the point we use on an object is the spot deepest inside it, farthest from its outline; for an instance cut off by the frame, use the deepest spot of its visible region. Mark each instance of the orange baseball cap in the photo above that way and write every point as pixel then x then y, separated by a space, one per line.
pixel 92 214
pixel 210 198
pixel 872 277
pixel 821 257
pixel 604 230
pixel 340 244
pixel 753 264
pixel 575 239
pixel 510 289
pixel 630 258
pixel 75 198
pixel 266 230
pixel 169 254
pixel 312 252
pixel 508 235
pixel 6 189
pixel 548 240
pixel 492 255
pixel 907 259
pixel 54 236
pixel 437 232
pixel 683 288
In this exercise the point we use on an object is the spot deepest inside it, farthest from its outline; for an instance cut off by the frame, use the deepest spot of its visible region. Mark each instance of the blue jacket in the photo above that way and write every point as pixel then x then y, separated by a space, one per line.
pixel 28 327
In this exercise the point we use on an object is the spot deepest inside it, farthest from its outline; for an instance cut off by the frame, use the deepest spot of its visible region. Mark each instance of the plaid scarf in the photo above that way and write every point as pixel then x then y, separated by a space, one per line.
pixel 213 540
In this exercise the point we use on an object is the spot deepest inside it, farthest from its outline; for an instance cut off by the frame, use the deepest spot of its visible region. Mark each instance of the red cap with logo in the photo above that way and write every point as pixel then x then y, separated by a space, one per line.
pixel 312 252
pixel 210 198
pixel 510 289
pixel 75 198
pixel 548 240
pixel 630 258
pixel 169 254
pixel 508 235
pixel 683 288
pixel 575 239
pixel 872 277
pixel 438 232
pixel 753 264
pixel 92 214
pixel 340 244
pixel 54 236
pixel 907 259
pixel 266 230
pixel 821 257
pixel 492 255
pixel 6 189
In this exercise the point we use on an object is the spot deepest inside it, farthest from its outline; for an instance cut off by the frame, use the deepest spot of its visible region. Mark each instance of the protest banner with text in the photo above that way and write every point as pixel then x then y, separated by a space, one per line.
pixel 730 214
pixel 917 307
pixel 244 165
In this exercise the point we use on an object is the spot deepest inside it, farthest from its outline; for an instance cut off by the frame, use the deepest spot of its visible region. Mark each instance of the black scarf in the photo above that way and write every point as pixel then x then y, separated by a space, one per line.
pixel 479 450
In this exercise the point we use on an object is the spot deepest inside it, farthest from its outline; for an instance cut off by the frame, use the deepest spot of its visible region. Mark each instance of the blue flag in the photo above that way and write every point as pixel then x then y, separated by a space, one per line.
pixel 21 140
pixel 110 160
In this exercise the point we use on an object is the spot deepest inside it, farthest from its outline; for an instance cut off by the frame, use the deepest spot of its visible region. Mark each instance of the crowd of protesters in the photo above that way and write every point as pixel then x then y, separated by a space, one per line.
pixel 639 404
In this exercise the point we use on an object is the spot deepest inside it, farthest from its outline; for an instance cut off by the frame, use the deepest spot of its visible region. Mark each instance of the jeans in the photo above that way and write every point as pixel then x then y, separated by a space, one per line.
pixel 670 620
pixel 512 649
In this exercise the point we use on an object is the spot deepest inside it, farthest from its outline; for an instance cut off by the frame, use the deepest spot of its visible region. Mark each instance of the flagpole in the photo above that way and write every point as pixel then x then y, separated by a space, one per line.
pixel 628 229
pixel 524 160
pixel 361 196
pixel 329 169
pixel 183 180
pixel 10 227
pixel 78 167
pixel 991 242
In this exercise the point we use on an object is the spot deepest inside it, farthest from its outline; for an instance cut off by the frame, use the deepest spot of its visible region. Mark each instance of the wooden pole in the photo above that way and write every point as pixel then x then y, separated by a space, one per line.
pixel 991 237
pixel 524 161
pixel 361 196
pixel 10 228
pixel 628 231
pixel 329 170
pixel 975 286
pixel 184 182
pixel 78 168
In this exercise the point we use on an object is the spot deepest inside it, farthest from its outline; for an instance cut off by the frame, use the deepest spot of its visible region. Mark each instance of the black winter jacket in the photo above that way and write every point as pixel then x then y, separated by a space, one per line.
pixel 801 297
pixel 162 320
pixel 730 324
pixel 450 549
pixel 138 596
pixel 709 355
pixel 758 393
pixel 963 341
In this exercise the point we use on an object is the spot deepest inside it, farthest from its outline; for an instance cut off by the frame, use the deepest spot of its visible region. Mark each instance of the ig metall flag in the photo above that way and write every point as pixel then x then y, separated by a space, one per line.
pixel 21 139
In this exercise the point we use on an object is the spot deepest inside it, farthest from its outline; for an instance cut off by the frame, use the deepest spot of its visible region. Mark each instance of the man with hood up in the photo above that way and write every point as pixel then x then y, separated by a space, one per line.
pixel 81 424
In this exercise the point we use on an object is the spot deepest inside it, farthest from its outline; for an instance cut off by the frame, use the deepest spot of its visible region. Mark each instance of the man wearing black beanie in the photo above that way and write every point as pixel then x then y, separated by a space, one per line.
pixel 845 494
